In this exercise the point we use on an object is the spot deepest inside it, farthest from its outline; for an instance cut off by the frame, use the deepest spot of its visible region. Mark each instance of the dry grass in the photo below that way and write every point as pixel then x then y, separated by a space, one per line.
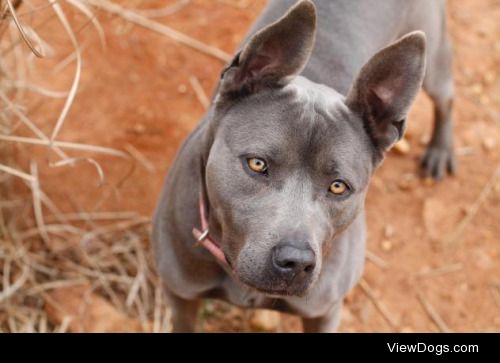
pixel 99 259
pixel 141 20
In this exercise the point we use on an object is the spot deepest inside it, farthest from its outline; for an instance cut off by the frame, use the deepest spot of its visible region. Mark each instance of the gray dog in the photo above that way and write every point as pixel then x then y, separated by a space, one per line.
pixel 264 206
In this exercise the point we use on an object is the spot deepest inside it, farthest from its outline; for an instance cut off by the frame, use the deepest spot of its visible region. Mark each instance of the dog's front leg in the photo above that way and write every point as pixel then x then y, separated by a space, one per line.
pixel 327 323
pixel 184 314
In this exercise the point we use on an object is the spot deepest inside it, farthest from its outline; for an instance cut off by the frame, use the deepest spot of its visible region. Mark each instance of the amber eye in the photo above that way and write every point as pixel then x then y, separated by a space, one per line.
pixel 338 187
pixel 257 165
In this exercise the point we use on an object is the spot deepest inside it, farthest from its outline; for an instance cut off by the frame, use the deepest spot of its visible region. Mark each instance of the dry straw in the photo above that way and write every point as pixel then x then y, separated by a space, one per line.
pixel 43 251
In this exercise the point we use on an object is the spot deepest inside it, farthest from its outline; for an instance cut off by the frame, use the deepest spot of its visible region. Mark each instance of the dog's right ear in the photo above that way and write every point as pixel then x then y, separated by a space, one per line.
pixel 274 54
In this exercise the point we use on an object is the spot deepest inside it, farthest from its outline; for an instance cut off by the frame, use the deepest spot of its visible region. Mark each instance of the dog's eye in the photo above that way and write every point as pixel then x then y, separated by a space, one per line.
pixel 338 187
pixel 257 165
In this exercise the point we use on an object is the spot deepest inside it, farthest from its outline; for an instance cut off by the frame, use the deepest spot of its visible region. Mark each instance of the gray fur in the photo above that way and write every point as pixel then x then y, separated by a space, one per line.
pixel 333 121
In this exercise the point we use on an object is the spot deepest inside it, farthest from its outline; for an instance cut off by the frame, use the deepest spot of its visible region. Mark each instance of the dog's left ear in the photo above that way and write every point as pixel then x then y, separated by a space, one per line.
pixel 274 54
pixel 386 88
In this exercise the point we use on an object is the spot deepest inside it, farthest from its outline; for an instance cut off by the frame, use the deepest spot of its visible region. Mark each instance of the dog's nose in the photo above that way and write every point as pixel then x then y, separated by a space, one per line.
pixel 292 258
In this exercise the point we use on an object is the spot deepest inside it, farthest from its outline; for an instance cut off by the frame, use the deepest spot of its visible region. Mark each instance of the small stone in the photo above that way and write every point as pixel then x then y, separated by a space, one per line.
pixel 208 308
pixel 410 132
pixel 402 147
pixel 139 128
pixel 489 143
pixel 465 151
pixel 386 245
pixel 378 183
pixel 497 188
pixel 424 140
pixel 407 329
pixel 489 77
pixel 182 88
pixel 265 320
pixel 389 231
pixel 476 88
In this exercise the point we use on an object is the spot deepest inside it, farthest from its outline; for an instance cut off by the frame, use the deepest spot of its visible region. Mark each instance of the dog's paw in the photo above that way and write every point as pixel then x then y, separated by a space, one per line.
pixel 438 160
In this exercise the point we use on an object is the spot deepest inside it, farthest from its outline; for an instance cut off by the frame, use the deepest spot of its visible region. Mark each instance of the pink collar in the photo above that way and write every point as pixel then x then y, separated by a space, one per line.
pixel 203 238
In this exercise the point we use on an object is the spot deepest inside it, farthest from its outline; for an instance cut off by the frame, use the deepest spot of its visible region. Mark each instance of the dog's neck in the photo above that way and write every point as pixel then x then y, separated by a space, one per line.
pixel 204 238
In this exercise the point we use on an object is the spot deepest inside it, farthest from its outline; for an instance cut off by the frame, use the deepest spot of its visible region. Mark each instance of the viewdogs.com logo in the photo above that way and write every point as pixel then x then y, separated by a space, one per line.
pixel 437 349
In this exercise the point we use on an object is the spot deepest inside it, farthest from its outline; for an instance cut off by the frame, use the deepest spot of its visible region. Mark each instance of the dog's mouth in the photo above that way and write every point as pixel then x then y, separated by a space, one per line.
pixel 274 293
pixel 278 291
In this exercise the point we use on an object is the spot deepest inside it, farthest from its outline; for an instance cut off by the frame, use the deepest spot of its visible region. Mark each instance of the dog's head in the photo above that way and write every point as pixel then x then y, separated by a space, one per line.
pixel 290 160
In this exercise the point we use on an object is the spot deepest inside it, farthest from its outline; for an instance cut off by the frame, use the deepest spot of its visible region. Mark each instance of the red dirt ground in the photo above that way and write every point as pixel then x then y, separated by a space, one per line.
pixel 137 92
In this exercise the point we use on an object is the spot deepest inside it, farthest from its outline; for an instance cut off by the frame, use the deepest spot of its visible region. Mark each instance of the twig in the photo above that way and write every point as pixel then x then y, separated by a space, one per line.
pixel 376 260
pixel 12 11
pixel 13 44
pixel 94 216
pixel 32 10
pixel 35 88
pixel 37 203
pixel 199 91
pixel 433 314
pixel 441 270
pixel 63 328
pixel 37 289
pixel 167 10
pixel 4 10
pixel 138 19
pixel 457 234
pixel 66 145
pixel 21 116
pixel 15 172
pixel 137 155
pixel 76 78
pixel 73 161
pixel 67 60
pixel 166 325
pixel 92 18
pixel 379 305
pixel 120 226
pixel 239 4
pixel 11 289
pixel 157 309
